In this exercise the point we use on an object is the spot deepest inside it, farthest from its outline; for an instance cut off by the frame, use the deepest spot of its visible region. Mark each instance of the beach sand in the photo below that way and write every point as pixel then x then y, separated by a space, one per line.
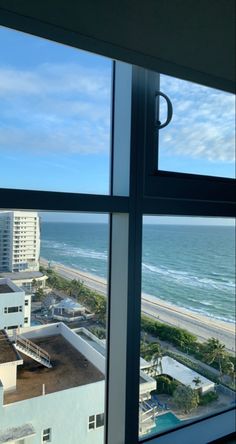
pixel 203 327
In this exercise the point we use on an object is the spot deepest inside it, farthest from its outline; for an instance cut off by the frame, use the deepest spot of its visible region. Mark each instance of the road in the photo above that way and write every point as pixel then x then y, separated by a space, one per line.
pixel 201 326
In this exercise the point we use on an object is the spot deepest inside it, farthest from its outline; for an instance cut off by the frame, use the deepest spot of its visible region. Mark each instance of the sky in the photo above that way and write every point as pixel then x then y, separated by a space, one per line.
pixel 55 120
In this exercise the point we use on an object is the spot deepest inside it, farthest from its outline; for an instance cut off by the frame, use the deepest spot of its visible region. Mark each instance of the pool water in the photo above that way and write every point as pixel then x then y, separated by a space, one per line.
pixel 164 422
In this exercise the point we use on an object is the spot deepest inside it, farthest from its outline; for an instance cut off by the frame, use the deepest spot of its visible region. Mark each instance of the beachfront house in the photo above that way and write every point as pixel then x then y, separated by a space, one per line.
pixel 69 311
pixel 27 279
pixel 181 373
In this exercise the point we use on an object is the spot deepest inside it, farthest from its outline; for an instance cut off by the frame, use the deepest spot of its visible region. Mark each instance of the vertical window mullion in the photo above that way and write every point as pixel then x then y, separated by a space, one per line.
pixel 122 393
pixel 118 260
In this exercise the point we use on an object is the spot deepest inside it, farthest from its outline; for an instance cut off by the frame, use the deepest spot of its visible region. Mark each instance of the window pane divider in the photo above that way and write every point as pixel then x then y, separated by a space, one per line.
pixel 58 201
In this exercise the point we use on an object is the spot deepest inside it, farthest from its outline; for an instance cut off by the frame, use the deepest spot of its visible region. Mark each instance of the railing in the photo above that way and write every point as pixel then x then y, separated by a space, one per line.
pixel 33 348
pixel 147 412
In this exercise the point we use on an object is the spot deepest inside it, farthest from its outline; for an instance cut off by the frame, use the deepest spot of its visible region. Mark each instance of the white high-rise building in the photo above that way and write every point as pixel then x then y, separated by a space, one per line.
pixel 19 241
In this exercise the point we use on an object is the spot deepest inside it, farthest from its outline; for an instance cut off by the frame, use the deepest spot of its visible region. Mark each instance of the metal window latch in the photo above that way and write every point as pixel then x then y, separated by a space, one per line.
pixel 158 124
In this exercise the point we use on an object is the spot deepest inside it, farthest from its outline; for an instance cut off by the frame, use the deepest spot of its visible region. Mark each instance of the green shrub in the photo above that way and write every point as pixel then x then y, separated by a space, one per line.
pixel 185 398
pixel 177 336
pixel 207 398
pixel 99 332
pixel 163 384
pixel 166 385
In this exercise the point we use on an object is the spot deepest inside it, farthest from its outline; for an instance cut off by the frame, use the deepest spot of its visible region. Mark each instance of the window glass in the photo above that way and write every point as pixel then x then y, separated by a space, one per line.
pixel 55 116
pixel 200 139
pixel 13 309
pixel 187 366
pixel 47 435
pixel 62 346
pixel 100 420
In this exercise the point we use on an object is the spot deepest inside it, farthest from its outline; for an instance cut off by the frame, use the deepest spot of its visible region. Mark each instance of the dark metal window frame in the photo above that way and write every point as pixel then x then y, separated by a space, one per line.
pixel 144 191
pixel 173 185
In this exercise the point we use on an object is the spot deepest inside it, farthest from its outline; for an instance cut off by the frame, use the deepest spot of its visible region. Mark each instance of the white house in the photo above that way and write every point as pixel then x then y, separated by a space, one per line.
pixel 69 310
pixel 15 306
pixel 25 279
pixel 183 374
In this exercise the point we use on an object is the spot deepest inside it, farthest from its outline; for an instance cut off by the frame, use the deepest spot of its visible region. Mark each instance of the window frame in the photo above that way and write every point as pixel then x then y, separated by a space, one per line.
pixel 47 433
pixel 94 421
pixel 91 422
pixel 139 191
pixel 12 309
pixel 170 184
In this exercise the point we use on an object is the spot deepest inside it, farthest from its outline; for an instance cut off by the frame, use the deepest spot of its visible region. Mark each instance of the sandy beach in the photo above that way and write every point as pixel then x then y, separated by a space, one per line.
pixel 203 327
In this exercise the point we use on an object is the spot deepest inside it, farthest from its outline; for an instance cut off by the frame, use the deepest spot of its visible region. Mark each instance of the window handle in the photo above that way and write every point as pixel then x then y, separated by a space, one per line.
pixel 158 124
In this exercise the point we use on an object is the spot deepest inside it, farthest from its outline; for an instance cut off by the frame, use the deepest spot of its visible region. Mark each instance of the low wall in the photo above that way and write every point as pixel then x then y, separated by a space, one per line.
pixel 83 347
pixel 8 375
pixel 40 331
pixel 67 319
pixel 226 391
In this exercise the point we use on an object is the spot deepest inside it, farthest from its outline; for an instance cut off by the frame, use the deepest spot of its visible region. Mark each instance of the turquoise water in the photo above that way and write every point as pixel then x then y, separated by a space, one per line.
pixel 164 422
pixel 189 266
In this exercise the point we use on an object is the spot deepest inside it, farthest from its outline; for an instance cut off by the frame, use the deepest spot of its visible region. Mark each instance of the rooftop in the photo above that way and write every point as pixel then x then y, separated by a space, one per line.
pixel 7 351
pixel 7 286
pixel 69 304
pixel 183 374
pixel 21 275
pixel 70 369
pixel 4 288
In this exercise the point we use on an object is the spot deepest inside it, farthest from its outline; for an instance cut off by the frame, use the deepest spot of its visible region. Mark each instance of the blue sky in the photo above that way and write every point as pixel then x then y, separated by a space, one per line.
pixel 55 120
pixel 55 116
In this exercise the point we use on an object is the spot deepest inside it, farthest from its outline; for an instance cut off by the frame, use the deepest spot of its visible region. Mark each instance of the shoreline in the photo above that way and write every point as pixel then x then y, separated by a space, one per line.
pixel 202 326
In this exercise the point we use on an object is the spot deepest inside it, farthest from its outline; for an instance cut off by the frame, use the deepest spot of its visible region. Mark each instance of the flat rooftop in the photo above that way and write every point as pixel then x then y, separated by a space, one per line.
pixel 4 288
pixel 7 351
pixel 70 369
pixel 21 275
pixel 183 374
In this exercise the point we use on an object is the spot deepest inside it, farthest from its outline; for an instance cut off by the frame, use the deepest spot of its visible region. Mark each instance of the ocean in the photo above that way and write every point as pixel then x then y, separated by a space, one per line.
pixel 189 266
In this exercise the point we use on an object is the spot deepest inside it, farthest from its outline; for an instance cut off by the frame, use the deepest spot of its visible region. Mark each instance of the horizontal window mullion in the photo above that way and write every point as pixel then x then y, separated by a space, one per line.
pixel 187 207
pixel 191 187
pixel 57 201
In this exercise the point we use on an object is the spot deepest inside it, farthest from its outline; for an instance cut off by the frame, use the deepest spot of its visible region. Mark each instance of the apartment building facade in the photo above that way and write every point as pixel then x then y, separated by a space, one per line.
pixel 19 241
pixel 15 306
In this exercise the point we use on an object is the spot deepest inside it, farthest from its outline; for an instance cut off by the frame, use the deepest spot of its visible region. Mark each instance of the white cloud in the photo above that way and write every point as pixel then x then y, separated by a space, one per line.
pixel 203 124
pixel 66 108
pixel 55 108
pixel 55 79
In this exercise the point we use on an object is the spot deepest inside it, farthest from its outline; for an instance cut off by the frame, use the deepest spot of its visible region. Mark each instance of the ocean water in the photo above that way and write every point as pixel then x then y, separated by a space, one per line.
pixel 189 266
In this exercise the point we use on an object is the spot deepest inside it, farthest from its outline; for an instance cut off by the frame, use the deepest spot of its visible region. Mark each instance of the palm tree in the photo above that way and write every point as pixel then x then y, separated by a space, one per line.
pixel 228 367
pixel 156 360
pixel 154 354
pixel 215 352
pixel 197 381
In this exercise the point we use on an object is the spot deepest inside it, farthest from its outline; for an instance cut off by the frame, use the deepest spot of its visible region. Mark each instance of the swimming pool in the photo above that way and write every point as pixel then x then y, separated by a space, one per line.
pixel 164 422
